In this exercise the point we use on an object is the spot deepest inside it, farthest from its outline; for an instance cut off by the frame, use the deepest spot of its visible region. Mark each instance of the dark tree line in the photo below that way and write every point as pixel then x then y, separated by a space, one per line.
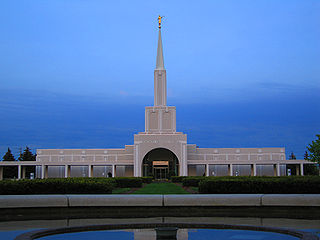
pixel 12 171
pixel 311 154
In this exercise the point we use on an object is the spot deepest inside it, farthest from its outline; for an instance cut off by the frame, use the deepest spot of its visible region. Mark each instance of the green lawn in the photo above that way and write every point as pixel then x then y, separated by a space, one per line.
pixel 120 190
pixel 196 189
pixel 161 188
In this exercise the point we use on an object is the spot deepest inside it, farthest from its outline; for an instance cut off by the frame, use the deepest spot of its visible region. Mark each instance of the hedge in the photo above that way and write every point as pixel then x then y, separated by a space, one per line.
pixel 70 185
pixel 192 181
pixel 128 182
pixel 177 178
pixel 147 179
pixel 261 185
pixel 57 186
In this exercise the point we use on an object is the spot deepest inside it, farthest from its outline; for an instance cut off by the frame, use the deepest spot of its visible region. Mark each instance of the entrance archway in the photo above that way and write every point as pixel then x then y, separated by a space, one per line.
pixel 160 163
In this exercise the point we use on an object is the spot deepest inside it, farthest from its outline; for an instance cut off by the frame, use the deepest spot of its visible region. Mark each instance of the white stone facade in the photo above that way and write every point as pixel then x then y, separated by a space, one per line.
pixel 159 151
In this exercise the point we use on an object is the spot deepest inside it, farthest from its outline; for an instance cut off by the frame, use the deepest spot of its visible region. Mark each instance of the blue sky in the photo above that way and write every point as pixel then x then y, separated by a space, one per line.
pixel 78 73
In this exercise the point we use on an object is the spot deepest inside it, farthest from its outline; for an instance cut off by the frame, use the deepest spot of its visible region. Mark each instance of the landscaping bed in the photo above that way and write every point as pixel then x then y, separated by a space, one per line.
pixel 57 186
pixel 161 188
pixel 260 185
pixel 70 185
pixel 179 185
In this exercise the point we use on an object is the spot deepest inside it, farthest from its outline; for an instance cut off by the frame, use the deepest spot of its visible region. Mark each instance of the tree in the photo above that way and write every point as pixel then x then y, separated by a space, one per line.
pixel 314 149
pixel 9 171
pixel 310 169
pixel 306 155
pixel 292 156
pixel 27 155
pixel 8 156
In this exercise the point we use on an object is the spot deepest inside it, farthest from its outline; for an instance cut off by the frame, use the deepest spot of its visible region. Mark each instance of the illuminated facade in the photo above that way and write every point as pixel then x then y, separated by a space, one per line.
pixel 160 151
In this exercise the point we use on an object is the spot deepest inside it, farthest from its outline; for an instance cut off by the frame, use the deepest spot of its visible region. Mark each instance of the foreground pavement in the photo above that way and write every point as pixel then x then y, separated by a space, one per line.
pixel 192 200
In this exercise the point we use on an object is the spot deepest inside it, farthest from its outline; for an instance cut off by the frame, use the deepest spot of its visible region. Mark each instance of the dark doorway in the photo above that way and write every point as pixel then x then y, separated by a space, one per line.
pixel 160 163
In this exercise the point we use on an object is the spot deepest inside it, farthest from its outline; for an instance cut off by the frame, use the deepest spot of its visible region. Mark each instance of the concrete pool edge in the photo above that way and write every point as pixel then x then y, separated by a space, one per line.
pixel 190 200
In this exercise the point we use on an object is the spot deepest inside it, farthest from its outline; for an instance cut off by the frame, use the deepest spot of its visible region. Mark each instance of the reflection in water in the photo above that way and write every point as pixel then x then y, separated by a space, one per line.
pixel 201 234
pixel 173 234
pixel 212 234
pixel 99 235
pixel 166 233
pixel 10 229
pixel 266 222
pixel 161 234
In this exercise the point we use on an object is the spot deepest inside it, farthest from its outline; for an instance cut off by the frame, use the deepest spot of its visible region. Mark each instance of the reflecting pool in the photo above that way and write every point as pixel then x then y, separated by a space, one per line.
pixel 182 234
pixel 14 223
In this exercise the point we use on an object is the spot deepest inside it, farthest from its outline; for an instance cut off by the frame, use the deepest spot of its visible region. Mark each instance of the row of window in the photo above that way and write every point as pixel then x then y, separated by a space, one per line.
pixel 83 171
pixel 237 170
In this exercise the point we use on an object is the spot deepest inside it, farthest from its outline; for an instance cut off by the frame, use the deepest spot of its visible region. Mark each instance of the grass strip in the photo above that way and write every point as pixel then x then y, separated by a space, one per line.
pixel 161 188
pixel 120 190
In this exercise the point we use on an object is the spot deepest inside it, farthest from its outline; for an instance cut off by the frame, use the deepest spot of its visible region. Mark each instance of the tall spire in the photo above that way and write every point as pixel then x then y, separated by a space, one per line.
pixel 160 64
pixel 160 79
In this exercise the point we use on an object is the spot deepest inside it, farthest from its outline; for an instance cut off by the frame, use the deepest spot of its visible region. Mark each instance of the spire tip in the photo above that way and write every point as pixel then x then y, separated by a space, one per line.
pixel 159 20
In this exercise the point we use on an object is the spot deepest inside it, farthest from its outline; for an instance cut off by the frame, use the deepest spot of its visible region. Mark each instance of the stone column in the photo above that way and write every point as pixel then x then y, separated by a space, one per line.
pixel 298 170
pixel 19 171
pixel 23 172
pixel 180 170
pixel 184 160
pixel 44 171
pixel 113 170
pixel 136 163
pixel 207 170
pixel 160 114
pixel 276 169
pixel 301 169
pixel 174 125
pixel 146 121
pixel 230 168
pixel 90 168
pixel 1 172
pixel 183 165
pixel 253 169
pixel 66 171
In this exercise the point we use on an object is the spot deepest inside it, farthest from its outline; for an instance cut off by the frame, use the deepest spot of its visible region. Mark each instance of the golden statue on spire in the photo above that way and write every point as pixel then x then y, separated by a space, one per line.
pixel 159 21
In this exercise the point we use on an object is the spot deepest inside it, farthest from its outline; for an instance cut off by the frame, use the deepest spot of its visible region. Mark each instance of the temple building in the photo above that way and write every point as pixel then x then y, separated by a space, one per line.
pixel 160 151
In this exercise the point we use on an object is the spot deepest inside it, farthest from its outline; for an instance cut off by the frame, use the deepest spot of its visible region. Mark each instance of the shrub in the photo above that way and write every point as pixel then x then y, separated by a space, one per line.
pixel 262 185
pixel 310 169
pixel 147 179
pixel 192 181
pixel 128 182
pixel 177 178
pixel 57 186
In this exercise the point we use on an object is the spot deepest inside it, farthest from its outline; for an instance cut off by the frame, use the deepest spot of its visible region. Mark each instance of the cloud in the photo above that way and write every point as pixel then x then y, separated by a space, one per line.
pixel 281 86
pixel 123 93
pixel 43 120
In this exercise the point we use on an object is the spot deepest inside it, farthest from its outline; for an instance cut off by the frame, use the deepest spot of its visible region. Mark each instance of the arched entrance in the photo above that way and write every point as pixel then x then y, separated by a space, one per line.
pixel 160 163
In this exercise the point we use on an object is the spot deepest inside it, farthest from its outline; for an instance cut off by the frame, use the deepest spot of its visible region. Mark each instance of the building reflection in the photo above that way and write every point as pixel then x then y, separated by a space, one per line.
pixel 161 234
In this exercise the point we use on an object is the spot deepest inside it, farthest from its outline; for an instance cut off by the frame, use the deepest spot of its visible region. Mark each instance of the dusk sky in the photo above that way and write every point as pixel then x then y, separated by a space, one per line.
pixel 78 73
